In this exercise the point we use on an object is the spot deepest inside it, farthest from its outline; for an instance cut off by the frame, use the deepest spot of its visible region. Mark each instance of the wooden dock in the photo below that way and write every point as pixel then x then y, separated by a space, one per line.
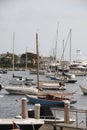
pixel 25 124
pixel 50 127
pixel 61 127
pixel 46 127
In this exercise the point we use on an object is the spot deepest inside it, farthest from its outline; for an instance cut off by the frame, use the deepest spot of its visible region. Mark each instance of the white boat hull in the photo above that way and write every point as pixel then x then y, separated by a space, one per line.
pixel 52 86
pixel 83 89
pixel 22 90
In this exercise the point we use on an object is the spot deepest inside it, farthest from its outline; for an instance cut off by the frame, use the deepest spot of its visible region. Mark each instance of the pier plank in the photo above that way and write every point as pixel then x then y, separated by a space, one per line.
pixel 61 126
pixel 25 124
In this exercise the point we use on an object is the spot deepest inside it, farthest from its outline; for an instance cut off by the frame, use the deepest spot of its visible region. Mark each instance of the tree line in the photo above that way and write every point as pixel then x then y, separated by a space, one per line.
pixel 6 60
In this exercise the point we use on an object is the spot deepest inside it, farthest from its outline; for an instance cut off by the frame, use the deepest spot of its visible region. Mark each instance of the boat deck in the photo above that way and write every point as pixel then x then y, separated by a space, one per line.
pixel 60 127
pixel 24 124
pixel 21 121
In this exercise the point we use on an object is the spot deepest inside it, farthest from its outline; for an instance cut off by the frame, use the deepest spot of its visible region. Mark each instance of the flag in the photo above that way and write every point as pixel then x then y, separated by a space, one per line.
pixel 16 126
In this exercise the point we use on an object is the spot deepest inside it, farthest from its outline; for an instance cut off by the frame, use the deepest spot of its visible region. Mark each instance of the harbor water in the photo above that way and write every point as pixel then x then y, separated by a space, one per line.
pixel 10 105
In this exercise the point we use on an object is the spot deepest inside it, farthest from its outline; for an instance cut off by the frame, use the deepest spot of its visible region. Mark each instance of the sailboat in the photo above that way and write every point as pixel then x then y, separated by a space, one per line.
pixel 55 99
pixel 48 98
pixel 16 79
pixel 18 83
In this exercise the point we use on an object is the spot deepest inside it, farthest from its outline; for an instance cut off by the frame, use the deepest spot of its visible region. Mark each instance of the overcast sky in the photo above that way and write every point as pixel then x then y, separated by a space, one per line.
pixel 26 17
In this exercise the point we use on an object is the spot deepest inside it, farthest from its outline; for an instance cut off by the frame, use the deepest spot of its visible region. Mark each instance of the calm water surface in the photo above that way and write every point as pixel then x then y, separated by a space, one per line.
pixel 10 105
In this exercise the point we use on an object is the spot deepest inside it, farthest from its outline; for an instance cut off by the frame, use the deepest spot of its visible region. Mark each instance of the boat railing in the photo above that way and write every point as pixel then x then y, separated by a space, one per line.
pixel 78 116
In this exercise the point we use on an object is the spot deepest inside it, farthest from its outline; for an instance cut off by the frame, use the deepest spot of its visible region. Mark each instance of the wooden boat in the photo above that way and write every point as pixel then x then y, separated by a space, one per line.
pixel 55 99
pixel 51 99
pixel 83 89
pixel 45 98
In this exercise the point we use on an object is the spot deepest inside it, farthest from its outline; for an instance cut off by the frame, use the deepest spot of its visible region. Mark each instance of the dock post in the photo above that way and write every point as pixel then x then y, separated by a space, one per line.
pixel 37 111
pixel 86 118
pixel 67 112
pixel 24 109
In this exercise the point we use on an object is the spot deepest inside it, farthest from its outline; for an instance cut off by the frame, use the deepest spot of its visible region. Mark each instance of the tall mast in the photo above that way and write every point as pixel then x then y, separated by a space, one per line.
pixel 26 59
pixel 37 60
pixel 13 48
pixel 70 44
pixel 56 43
pixel 63 50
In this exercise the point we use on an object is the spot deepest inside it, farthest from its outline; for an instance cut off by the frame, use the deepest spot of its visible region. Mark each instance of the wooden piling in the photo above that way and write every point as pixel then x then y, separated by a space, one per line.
pixel 24 109
pixel 67 112
pixel 37 111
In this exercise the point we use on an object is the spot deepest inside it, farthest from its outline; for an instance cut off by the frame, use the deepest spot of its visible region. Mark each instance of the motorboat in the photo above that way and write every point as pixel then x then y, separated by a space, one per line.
pixel 19 80
pixel 21 89
pixel 52 86
pixel 65 77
